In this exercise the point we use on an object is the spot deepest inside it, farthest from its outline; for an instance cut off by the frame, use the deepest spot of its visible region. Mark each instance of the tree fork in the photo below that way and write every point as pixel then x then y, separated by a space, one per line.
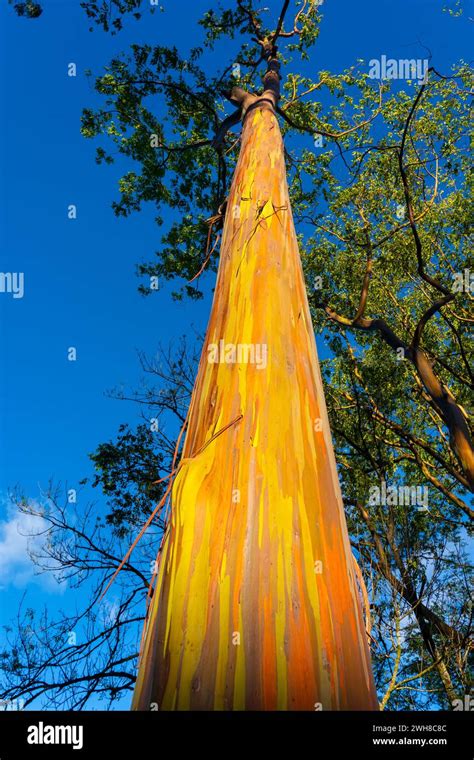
pixel 449 411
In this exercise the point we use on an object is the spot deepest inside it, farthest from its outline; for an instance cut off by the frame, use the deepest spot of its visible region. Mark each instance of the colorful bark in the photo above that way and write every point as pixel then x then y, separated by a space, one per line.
pixel 256 604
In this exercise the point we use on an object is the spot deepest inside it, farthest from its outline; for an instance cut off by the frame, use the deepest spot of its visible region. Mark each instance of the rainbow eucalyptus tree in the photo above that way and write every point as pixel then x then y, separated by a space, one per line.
pixel 256 604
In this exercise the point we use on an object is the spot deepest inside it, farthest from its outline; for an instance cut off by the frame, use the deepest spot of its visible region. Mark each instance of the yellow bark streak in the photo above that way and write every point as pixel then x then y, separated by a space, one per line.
pixel 241 618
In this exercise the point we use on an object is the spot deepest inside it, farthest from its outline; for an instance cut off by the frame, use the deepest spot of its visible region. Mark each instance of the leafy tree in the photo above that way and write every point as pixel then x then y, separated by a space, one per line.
pixel 28 9
pixel 126 470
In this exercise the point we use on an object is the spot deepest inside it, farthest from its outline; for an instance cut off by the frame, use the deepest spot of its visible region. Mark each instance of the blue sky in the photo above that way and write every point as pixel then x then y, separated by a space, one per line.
pixel 80 282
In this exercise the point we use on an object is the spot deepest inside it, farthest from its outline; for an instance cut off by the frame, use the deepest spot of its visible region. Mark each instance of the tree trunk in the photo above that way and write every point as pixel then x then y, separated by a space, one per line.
pixel 256 604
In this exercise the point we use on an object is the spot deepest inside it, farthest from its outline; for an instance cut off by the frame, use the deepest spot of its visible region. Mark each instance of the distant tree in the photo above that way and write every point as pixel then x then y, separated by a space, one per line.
pixel 27 9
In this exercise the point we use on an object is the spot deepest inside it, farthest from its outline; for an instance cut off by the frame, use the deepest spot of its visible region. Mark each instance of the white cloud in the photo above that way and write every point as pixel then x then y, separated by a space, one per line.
pixel 18 533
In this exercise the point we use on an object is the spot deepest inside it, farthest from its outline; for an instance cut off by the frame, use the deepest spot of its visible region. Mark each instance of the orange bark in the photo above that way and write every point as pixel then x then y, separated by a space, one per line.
pixel 256 604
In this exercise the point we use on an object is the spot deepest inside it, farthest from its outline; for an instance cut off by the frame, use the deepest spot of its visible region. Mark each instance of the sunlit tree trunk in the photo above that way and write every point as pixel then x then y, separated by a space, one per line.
pixel 256 605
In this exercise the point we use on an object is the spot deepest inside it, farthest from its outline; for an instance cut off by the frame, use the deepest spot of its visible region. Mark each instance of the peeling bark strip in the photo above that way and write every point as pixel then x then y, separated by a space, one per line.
pixel 256 605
